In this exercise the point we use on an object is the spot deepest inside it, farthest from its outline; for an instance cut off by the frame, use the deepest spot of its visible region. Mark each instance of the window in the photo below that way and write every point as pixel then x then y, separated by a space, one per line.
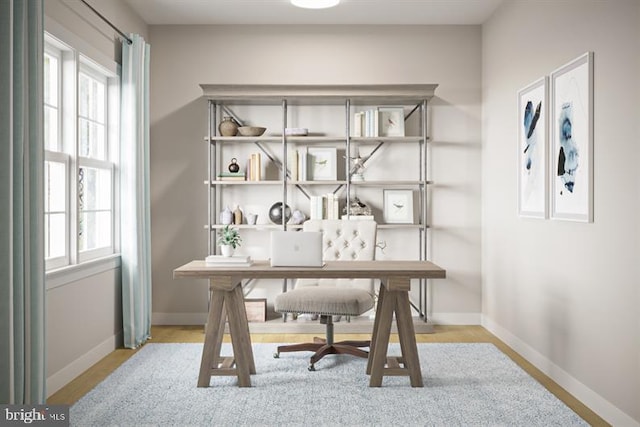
pixel 80 107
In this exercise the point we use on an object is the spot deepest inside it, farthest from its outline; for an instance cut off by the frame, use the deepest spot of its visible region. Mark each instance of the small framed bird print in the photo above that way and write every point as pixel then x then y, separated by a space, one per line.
pixel 398 206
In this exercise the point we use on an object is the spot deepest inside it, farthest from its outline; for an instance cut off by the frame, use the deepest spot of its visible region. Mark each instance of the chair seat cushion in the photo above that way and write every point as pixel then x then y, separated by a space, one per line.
pixel 324 300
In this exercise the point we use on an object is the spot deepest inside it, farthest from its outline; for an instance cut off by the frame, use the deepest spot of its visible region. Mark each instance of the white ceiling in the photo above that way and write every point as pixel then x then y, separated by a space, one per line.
pixel 405 12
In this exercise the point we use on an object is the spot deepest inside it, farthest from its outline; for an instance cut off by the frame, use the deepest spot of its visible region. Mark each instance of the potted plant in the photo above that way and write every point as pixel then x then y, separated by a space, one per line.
pixel 229 239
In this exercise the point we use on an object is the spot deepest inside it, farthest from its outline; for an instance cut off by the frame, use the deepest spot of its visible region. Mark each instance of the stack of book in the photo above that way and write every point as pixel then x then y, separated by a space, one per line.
pixel 365 123
pixel 228 261
pixel 231 176
pixel 323 207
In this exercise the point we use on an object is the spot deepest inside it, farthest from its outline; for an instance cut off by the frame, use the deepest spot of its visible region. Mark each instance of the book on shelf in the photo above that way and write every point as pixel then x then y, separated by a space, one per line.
pixel 358 124
pixel 324 207
pixel 292 164
pixel 231 176
pixel 299 164
pixel 255 167
pixel 228 261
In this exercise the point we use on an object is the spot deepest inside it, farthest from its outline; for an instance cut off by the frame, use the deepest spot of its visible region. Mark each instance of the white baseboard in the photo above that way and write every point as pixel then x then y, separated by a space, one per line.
pixel 455 318
pixel 178 318
pixel 591 399
pixel 65 375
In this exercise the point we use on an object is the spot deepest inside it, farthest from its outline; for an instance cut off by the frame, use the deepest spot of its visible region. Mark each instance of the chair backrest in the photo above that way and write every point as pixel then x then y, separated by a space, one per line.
pixel 344 240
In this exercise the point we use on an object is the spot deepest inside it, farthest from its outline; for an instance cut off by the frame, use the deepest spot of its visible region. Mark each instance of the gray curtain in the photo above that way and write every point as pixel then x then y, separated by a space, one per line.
pixel 135 213
pixel 22 293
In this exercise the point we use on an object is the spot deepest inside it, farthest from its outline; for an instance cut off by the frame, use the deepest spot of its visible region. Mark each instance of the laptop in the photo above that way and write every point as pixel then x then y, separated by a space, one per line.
pixel 296 249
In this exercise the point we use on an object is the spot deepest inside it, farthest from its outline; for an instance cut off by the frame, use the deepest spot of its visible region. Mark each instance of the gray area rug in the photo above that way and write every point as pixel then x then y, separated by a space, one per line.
pixel 465 384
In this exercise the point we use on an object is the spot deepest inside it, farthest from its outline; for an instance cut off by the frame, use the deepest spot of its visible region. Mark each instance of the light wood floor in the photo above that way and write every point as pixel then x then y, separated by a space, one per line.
pixel 73 391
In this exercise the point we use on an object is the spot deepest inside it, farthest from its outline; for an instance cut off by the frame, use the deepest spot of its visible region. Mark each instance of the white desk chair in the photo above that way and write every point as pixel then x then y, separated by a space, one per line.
pixel 342 241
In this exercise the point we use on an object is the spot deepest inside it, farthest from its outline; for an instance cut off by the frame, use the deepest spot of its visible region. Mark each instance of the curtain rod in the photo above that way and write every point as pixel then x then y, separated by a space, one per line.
pixel 108 22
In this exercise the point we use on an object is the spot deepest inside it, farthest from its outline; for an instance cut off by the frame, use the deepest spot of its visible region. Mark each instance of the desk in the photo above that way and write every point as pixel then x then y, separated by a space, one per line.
pixel 227 300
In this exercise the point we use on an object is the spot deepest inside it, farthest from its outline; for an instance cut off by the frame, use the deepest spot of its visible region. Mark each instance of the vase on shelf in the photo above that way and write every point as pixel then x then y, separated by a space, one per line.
pixel 237 216
pixel 227 250
pixel 226 216
pixel 234 167
pixel 228 126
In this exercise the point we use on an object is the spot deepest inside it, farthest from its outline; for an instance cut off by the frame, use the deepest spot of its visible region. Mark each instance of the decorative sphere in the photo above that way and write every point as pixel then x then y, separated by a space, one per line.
pixel 275 213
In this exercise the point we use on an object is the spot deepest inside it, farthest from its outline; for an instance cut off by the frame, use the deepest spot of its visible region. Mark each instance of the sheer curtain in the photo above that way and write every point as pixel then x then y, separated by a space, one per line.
pixel 22 294
pixel 134 191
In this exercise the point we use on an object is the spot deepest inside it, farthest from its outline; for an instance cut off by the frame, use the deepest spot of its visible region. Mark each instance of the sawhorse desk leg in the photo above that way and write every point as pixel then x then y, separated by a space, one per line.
pixel 394 298
pixel 227 301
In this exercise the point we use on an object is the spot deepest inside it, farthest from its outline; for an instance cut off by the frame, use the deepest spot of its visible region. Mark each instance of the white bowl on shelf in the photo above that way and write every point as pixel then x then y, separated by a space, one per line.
pixel 251 130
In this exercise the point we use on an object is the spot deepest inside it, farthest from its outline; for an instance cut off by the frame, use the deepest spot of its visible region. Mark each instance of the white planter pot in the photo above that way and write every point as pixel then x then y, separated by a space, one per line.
pixel 227 250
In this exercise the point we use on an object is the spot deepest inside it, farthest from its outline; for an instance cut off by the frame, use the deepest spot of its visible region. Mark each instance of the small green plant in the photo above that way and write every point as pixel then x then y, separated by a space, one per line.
pixel 229 236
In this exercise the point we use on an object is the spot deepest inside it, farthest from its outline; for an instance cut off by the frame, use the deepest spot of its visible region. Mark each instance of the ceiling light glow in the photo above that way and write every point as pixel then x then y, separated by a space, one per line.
pixel 315 4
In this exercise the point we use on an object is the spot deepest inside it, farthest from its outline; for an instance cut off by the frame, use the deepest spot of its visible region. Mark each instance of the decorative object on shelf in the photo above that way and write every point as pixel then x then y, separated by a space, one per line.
pixel 297 217
pixel 532 150
pixel 237 215
pixel 321 163
pixel 251 130
pixel 252 218
pixel 296 131
pixel 398 206
pixel 234 167
pixel 226 216
pixel 229 239
pixel 357 164
pixel 391 121
pixel 228 126
pixel 356 208
pixel 276 215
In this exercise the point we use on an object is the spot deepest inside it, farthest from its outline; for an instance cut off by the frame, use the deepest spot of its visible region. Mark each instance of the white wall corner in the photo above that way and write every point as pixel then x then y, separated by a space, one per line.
pixel 67 374
pixel 591 399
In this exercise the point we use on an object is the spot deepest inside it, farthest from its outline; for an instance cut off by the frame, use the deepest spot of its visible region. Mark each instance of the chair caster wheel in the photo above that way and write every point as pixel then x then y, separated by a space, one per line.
pixel 311 367
pixel 276 355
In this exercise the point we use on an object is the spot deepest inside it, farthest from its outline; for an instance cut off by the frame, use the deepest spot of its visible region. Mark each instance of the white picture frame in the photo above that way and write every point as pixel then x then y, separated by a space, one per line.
pixel 390 121
pixel 398 206
pixel 322 163
pixel 571 127
pixel 533 187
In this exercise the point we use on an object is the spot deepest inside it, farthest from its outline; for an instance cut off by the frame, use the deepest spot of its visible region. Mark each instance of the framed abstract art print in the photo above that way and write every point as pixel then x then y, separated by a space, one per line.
pixel 532 150
pixel 572 140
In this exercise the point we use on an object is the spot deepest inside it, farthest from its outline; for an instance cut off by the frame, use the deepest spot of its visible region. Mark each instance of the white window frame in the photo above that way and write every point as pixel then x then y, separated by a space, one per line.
pixel 71 62
pixel 59 156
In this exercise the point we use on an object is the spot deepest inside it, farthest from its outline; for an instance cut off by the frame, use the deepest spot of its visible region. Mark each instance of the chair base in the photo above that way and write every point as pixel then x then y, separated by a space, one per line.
pixel 321 348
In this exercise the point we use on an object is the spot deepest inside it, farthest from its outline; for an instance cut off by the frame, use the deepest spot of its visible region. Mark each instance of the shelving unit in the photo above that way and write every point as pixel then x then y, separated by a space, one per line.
pixel 222 99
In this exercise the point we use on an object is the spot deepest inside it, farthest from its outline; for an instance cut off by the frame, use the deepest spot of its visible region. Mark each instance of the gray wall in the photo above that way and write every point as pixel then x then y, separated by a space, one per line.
pixel 565 294
pixel 185 56
pixel 84 320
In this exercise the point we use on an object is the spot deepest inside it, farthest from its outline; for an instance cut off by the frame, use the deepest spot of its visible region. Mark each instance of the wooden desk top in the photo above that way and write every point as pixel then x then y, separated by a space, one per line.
pixel 331 270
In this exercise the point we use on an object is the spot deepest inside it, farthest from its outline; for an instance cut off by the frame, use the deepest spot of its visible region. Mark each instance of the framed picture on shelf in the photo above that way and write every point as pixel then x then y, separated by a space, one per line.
pixel 398 206
pixel 322 163
pixel 391 121
pixel 532 150
pixel 572 140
